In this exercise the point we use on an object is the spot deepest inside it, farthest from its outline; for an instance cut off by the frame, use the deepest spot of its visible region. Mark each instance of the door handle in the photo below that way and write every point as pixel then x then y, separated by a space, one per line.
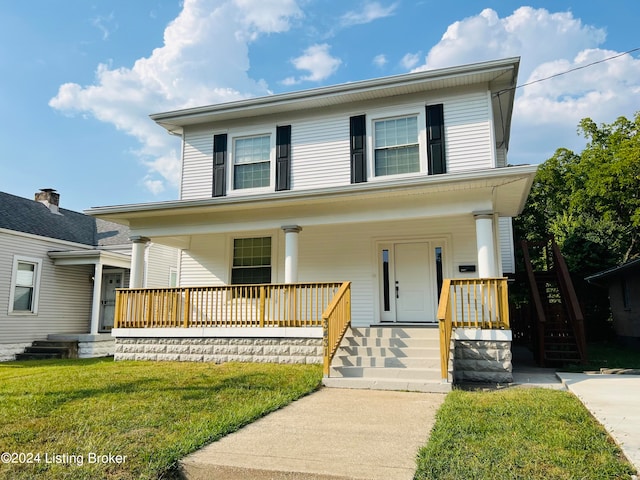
pixel 397 289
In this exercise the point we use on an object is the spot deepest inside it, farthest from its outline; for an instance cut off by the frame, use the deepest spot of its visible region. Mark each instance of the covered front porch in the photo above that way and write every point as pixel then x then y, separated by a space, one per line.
pixel 298 323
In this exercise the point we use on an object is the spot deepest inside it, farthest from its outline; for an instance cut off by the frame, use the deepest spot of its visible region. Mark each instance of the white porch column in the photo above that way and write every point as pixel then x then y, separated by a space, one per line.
pixel 486 246
pixel 291 253
pixel 97 295
pixel 137 261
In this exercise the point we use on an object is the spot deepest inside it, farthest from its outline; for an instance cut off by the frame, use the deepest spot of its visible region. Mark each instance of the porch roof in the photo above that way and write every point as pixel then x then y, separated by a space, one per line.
pixel 499 190
pixel 90 257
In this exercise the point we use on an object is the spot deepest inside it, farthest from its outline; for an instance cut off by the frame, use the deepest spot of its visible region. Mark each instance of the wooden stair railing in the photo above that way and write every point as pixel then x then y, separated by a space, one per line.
pixel 336 319
pixel 559 322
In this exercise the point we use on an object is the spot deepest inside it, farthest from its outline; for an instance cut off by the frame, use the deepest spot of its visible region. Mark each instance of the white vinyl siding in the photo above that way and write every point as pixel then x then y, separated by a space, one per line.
pixel 320 142
pixel 205 262
pixel 468 132
pixel 160 260
pixel 507 254
pixel 320 155
pixel 197 165
pixel 65 293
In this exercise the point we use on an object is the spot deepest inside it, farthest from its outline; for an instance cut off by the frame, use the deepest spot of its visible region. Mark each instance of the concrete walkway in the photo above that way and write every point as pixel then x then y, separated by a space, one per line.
pixel 615 402
pixel 331 434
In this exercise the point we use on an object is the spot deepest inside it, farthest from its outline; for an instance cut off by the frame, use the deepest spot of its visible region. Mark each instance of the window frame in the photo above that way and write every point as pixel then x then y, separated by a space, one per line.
pixel 37 274
pixel 414 110
pixel 232 257
pixel 231 151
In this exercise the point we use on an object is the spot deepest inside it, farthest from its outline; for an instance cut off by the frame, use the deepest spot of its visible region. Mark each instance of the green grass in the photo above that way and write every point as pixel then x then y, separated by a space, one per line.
pixel 153 412
pixel 518 434
pixel 608 355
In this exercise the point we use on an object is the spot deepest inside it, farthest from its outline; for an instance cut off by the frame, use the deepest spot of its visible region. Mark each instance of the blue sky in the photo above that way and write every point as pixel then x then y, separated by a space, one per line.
pixel 78 78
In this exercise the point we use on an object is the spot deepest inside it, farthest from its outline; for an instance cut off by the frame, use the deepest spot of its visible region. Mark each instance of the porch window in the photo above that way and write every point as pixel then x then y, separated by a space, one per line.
pixel 24 285
pixel 251 260
pixel 252 162
pixel 396 146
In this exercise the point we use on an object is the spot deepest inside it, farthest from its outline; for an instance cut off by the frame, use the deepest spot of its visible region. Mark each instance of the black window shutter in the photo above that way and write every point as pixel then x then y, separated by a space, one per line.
pixel 435 139
pixel 219 165
pixel 283 157
pixel 358 131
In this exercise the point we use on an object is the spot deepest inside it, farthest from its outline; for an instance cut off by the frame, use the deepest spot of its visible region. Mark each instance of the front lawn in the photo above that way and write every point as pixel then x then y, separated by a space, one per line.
pixel 518 434
pixel 77 416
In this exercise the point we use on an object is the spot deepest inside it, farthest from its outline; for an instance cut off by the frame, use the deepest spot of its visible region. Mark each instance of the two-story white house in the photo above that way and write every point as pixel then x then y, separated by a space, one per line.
pixel 376 197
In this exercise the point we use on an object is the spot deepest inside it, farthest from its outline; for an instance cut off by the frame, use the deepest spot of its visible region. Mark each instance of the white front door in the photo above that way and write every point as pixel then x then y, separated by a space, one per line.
pixel 110 281
pixel 413 284
pixel 411 275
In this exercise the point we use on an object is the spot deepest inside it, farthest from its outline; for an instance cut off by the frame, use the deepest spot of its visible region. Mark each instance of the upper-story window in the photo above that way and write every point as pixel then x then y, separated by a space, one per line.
pixel 252 162
pixel 396 146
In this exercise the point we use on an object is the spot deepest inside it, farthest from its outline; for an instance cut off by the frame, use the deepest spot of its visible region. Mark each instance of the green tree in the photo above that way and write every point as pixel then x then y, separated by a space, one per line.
pixel 590 202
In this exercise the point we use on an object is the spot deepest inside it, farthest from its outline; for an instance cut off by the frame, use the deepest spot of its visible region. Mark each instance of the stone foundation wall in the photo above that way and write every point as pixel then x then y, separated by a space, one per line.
pixel 220 350
pixel 485 361
pixel 8 350
pixel 103 348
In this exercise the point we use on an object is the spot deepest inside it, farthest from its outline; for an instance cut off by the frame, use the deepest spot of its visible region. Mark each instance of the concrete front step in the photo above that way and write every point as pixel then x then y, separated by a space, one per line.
pixel 409 361
pixel 47 349
pixel 396 332
pixel 37 356
pixel 396 352
pixel 391 342
pixel 388 358
pixel 427 386
pixel 386 372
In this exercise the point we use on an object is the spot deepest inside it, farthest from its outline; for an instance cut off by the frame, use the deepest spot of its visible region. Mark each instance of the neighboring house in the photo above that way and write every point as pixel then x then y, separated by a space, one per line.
pixel 60 269
pixel 623 283
pixel 395 185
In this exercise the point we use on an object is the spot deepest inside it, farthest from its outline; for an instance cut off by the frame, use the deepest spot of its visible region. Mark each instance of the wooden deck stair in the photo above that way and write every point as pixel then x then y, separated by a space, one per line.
pixel 388 358
pixel 557 320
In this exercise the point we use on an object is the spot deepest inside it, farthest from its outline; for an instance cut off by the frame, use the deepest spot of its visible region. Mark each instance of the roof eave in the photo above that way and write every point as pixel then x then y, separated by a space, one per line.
pixel 174 121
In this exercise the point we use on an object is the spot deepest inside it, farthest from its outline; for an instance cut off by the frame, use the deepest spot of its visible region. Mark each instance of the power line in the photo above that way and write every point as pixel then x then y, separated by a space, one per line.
pixel 577 68
pixel 567 71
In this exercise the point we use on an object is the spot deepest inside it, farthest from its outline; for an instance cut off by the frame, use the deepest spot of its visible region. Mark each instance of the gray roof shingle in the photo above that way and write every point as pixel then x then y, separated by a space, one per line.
pixel 28 216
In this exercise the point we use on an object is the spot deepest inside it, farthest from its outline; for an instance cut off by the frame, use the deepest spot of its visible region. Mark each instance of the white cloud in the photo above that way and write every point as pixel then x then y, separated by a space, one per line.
pixel 368 13
pixel 317 61
pixel 204 60
pixel 410 60
pixel 546 113
pixel 380 60
pixel 105 23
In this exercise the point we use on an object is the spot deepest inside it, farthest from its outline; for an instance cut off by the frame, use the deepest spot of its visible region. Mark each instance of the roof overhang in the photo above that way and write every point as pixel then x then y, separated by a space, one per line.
pixel 499 76
pixel 500 190
pixel 90 257
pixel 602 279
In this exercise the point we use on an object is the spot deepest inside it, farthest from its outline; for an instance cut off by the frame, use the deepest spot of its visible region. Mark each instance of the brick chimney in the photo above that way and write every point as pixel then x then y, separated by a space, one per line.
pixel 49 198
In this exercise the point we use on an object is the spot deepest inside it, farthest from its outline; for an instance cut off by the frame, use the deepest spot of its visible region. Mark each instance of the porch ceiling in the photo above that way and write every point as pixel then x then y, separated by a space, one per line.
pixel 502 191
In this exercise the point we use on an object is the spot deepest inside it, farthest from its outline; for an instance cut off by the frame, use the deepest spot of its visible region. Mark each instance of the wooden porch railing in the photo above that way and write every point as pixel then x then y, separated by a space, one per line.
pixel 271 305
pixel 335 321
pixel 470 303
